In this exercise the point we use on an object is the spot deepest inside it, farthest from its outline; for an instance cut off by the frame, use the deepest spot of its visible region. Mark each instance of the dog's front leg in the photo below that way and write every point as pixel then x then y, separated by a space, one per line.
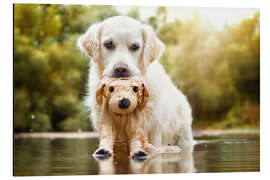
pixel 107 134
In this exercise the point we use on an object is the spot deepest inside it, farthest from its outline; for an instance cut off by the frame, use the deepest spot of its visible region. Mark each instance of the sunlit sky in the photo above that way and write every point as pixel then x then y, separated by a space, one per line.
pixel 215 16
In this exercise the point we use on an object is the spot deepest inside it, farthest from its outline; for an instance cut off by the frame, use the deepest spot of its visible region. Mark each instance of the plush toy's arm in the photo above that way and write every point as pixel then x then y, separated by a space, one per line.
pixel 137 134
pixel 107 133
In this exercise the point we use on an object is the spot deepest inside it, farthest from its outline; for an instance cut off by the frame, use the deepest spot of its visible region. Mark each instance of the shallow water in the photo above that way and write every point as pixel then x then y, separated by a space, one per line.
pixel 223 153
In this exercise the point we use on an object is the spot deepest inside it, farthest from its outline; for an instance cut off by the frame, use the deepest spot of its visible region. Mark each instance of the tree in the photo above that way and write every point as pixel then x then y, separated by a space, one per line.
pixel 50 73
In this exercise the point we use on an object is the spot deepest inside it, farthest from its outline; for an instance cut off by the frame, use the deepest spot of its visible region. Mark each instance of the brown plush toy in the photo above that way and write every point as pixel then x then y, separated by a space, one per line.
pixel 121 102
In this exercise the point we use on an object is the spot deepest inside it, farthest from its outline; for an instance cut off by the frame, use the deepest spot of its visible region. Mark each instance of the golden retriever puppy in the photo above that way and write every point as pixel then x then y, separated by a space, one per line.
pixel 123 124
pixel 123 47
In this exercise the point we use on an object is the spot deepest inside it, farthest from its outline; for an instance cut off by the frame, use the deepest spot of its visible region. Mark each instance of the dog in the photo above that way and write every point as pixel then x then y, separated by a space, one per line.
pixel 122 125
pixel 123 47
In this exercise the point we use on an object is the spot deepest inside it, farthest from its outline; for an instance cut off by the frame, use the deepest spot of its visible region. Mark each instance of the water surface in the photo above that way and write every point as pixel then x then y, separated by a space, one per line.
pixel 223 153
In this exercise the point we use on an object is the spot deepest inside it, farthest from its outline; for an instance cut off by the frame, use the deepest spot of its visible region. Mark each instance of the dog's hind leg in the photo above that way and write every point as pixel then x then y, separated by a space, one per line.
pixel 185 138
pixel 155 136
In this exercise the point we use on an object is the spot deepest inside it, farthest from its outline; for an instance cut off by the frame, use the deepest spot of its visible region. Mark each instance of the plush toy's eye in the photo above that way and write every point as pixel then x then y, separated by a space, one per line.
pixel 111 89
pixel 135 89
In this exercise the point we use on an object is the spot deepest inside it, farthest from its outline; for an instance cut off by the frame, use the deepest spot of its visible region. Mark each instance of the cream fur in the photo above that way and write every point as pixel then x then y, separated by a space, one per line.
pixel 168 112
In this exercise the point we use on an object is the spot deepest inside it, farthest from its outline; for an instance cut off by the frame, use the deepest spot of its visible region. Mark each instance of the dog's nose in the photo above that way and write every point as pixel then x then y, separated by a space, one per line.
pixel 124 103
pixel 121 70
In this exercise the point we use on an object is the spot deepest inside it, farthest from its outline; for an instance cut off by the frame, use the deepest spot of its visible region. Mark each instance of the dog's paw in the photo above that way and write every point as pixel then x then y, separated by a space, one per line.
pixel 175 149
pixel 140 155
pixel 102 153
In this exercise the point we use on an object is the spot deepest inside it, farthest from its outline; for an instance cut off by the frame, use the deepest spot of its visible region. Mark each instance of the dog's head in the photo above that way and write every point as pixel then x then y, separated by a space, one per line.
pixel 123 95
pixel 121 46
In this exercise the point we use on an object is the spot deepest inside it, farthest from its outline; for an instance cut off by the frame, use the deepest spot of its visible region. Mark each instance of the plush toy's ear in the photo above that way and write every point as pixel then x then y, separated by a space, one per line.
pixel 89 42
pixel 153 47
pixel 145 96
pixel 99 93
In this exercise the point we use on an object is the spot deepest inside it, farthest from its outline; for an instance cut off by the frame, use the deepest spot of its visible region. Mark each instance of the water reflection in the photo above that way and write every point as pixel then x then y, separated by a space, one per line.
pixel 44 156
pixel 160 163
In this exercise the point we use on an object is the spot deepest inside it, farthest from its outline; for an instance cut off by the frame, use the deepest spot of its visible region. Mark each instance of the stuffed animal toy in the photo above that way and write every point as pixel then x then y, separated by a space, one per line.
pixel 122 126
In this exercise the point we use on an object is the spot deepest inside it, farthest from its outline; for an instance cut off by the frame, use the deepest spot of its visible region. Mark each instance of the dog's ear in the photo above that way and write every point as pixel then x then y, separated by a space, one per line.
pixel 153 47
pixel 89 42
pixel 145 97
pixel 99 93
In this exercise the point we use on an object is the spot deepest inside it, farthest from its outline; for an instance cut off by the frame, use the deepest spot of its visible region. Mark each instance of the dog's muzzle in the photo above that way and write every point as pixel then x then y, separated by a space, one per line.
pixel 121 70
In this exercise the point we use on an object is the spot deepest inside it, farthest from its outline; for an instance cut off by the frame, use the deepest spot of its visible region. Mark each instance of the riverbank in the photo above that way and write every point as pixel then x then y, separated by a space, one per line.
pixel 69 135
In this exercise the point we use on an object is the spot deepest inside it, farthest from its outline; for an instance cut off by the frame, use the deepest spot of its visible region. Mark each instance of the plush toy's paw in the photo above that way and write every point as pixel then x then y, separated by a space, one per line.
pixel 140 155
pixel 102 153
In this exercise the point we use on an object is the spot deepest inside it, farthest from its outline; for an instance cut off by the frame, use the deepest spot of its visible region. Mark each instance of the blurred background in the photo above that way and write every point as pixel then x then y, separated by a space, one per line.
pixel 212 55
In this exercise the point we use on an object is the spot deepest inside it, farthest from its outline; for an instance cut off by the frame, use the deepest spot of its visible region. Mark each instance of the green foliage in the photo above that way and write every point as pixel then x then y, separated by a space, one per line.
pixel 50 73
pixel 40 122
pixel 219 71
pixel 134 13
pixel 160 19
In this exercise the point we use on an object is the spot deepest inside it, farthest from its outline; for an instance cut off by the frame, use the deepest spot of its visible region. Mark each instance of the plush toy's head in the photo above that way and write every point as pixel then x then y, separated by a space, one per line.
pixel 123 95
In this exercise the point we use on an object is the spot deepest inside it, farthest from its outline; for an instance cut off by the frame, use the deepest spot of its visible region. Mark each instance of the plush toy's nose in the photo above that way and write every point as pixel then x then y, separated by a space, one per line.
pixel 124 103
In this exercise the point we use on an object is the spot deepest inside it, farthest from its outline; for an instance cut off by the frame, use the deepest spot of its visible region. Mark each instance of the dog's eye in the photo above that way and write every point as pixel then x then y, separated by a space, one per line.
pixel 111 89
pixel 108 45
pixel 135 89
pixel 134 47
